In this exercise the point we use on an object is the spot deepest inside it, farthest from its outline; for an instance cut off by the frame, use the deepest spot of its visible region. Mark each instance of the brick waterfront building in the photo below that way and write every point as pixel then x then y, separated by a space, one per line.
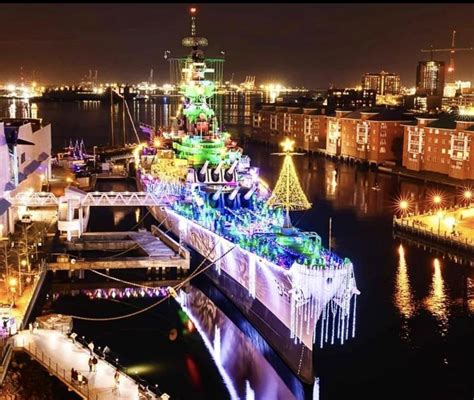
pixel 440 144
pixel 374 135
pixel 306 125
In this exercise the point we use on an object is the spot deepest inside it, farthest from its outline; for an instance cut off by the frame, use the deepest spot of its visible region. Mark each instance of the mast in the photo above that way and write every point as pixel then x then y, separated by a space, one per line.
pixel 112 115
pixel 123 120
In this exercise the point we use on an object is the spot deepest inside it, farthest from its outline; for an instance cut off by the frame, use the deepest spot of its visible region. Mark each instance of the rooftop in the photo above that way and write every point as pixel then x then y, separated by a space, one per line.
pixel 381 114
pixel 445 122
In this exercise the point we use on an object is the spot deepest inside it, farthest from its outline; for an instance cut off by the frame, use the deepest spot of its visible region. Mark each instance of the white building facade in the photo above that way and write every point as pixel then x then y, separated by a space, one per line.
pixel 25 163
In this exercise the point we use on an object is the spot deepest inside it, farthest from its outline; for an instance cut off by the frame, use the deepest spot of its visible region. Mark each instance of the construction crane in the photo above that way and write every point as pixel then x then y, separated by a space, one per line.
pixel 452 50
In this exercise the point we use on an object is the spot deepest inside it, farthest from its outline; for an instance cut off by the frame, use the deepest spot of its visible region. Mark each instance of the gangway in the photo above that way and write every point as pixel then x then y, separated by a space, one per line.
pixel 32 199
pixel 110 199
pixel 119 157
pixel 77 200
pixel 105 199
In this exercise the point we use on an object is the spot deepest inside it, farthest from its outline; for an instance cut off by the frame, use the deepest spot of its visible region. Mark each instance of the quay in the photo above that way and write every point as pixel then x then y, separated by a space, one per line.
pixel 452 228
pixel 59 354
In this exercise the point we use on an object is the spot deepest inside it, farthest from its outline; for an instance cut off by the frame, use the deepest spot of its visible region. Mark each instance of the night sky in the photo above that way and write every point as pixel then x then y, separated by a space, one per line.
pixel 298 44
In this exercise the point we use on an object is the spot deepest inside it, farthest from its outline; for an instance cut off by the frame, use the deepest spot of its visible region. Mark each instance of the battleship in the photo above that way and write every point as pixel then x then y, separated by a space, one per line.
pixel 292 289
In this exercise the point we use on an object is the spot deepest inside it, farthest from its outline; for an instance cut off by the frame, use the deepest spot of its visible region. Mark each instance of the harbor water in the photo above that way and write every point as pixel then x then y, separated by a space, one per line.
pixel 415 314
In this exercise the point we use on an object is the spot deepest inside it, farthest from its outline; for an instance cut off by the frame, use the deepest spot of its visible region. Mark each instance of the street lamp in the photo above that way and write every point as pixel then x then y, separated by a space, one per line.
pixel 12 283
pixel 403 206
pixel 437 199
pixel 467 196
pixel 95 157
pixel 439 214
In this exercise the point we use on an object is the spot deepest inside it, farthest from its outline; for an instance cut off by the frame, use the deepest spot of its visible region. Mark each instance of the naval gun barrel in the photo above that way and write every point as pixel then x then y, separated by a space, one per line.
pixel 249 194
pixel 232 168
pixel 234 193
pixel 204 168
pixel 218 168
pixel 216 195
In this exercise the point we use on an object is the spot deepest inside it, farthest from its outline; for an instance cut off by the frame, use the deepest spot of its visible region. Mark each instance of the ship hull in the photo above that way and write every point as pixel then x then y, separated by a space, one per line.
pixel 264 292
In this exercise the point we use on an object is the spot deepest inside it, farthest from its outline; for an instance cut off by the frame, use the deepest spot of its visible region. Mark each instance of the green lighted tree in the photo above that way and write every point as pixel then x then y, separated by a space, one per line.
pixel 288 193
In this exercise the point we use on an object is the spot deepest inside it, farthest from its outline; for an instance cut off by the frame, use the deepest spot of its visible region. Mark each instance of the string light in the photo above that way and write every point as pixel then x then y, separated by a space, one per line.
pixel 288 193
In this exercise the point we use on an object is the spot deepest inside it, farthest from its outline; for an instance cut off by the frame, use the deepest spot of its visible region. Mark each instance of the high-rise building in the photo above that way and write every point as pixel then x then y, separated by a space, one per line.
pixel 383 83
pixel 430 78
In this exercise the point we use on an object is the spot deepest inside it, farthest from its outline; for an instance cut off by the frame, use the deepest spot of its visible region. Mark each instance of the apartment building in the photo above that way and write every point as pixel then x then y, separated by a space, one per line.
pixel 305 124
pixel 441 144
pixel 373 135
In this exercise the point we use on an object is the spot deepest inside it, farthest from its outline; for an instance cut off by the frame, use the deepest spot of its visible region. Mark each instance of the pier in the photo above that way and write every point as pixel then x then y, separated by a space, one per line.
pixel 59 354
pixel 155 250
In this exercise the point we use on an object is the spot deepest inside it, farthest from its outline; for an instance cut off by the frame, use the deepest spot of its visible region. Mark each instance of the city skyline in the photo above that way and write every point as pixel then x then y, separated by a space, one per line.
pixel 292 44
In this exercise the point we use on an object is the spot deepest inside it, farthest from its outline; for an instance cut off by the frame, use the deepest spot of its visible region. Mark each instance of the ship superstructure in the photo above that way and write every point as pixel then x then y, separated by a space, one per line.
pixel 282 278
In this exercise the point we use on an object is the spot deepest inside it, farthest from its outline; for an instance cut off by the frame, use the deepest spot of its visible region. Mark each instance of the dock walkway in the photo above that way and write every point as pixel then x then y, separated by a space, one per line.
pixel 158 250
pixel 151 245
pixel 58 354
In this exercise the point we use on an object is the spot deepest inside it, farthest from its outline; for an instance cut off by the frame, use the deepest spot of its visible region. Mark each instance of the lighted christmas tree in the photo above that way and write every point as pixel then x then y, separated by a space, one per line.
pixel 288 193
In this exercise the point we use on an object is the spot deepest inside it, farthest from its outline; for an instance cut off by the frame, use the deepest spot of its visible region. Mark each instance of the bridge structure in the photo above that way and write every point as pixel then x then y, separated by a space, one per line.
pixel 74 206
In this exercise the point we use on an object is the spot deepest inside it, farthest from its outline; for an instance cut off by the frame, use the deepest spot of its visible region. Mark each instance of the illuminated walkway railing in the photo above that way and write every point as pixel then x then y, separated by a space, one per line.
pixel 35 199
pixel 106 199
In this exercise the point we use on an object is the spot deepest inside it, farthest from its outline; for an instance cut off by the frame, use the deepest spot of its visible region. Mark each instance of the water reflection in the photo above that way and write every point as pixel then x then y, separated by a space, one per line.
pixel 245 370
pixel 437 302
pixel 470 294
pixel 34 110
pixel 403 293
pixel 12 110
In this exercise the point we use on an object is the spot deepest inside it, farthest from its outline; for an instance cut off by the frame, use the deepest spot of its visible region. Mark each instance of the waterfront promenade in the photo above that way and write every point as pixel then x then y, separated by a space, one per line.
pixel 454 227
pixel 58 354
